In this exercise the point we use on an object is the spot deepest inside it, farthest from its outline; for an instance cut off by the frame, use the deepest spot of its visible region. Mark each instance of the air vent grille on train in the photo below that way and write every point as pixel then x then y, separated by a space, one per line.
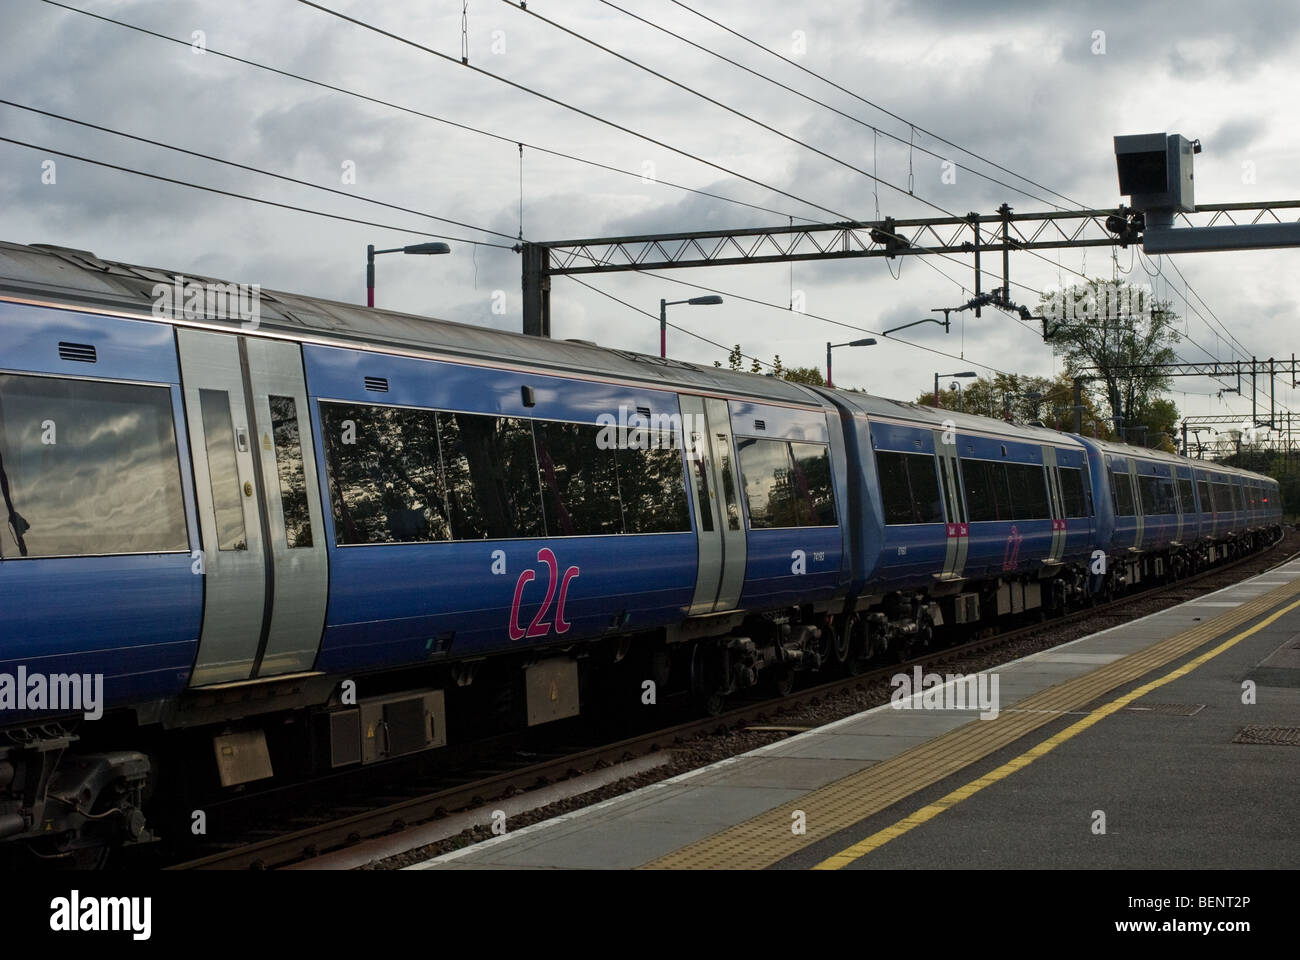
pixel 644 411
pixel 377 384
pixel 81 352
pixel 760 424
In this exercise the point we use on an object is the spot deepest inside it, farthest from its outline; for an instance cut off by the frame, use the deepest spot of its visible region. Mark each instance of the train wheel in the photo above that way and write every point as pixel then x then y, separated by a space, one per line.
pixel 843 643
pixel 704 681
pixel 783 680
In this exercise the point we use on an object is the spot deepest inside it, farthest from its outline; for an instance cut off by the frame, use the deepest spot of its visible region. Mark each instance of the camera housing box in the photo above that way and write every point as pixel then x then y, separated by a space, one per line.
pixel 1155 171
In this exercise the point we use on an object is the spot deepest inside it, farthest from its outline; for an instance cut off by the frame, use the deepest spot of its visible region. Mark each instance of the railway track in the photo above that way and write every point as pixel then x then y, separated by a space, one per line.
pixel 320 839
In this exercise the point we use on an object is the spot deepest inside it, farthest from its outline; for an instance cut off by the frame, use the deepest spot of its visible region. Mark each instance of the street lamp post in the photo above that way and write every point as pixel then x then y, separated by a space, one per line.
pixel 965 375
pixel 865 342
pixel 371 253
pixel 711 300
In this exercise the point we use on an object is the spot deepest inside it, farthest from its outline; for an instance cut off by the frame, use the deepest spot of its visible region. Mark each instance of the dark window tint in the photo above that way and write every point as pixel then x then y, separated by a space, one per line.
pixel 1185 496
pixel 814 495
pixel 766 471
pixel 223 469
pixel 385 478
pixel 1222 498
pixel 986 490
pixel 1028 487
pixel 1203 491
pixel 651 488
pixel 703 494
pixel 87 468
pixel 728 471
pixel 579 481
pixel 1157 495
pixel 1121 490
pixel 1237 499
pixel 1075 493
pixel 491 475
pixel 909 488
pixel 288 465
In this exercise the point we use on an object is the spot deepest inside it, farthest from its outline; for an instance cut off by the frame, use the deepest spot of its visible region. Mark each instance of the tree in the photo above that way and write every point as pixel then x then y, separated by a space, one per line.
pixel 1023 399
pixel 1120 331
pixel 809 375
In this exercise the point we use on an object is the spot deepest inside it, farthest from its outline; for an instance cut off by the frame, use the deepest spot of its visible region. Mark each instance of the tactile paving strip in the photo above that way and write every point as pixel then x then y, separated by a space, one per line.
pixel 767 838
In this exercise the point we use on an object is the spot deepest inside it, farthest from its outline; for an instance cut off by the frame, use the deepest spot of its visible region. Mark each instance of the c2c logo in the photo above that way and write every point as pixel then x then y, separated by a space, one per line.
pixel 555 585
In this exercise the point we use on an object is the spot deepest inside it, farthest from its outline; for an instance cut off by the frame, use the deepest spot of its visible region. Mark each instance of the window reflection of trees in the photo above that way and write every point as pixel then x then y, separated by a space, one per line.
pixel 421 475
pixel 387 484
pixel 288 465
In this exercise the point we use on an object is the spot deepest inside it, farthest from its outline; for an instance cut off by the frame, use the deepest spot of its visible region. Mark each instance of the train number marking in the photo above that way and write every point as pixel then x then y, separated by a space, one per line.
pixel 555 585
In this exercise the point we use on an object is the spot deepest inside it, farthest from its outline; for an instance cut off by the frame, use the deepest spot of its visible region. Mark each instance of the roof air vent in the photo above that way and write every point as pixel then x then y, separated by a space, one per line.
pixel 377 384
pixel 81 352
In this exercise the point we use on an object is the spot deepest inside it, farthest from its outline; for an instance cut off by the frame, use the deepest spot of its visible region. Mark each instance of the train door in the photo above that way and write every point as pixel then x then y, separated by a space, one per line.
pixel 259 507
pixel 1138 507
pixel 958 525
pixel 727 492
pixel 719 526
pixel 1057 503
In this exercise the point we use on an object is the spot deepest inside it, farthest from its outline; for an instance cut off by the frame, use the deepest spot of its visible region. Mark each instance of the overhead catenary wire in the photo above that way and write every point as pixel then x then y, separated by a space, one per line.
pixel 913 127
pixel 873 105
pixel 248 168
pixel 531 91
pixel 502 138
pixel 811 99
pixel 176 181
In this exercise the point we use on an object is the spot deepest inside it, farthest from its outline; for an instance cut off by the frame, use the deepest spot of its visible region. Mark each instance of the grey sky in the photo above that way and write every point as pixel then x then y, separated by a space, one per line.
pixel 1017 82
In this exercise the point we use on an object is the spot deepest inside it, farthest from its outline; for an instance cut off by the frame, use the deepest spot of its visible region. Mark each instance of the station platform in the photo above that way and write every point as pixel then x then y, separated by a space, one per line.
pixel 1167 742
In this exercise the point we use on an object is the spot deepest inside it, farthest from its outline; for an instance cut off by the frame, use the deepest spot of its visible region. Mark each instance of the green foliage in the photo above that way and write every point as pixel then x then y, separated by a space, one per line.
pixel 1013 397
pixel 1123 345
pixel 809 375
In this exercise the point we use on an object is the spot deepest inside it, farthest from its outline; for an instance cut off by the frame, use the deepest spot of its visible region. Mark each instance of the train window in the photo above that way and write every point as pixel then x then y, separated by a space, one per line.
pixel 766 471
pixel 1185 495
pixel 490 466
pixel 987 497
pixel 651 488
pixel 1028 491
pixel 1203 493
pixel 728 482
pixel 1075 493
pixel 814 495
pixel 223 470
pixel 288 464
pixel 88 469
pixel 1222 499
pixel 1157 495
pixel 386 481
pixel 579 481
pixel 1238 501
pixel 1121 491
pixel 702 495
pixel 909 488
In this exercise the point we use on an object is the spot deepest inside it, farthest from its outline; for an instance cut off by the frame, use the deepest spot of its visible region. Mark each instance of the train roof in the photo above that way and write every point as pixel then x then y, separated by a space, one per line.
pixel 872 406
pixel 63 276
pixel 1161 456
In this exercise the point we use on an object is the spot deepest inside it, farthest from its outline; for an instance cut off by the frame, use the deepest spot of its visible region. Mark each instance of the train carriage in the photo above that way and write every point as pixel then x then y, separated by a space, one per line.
pixel 320 536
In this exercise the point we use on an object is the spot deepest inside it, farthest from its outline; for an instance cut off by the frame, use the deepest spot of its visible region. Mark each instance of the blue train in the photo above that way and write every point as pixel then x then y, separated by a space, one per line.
pixel 255 535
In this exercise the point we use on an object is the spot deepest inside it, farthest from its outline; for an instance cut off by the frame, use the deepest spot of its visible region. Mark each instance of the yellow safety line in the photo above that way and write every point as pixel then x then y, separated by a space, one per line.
pixel 930 811
pixel 768 837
